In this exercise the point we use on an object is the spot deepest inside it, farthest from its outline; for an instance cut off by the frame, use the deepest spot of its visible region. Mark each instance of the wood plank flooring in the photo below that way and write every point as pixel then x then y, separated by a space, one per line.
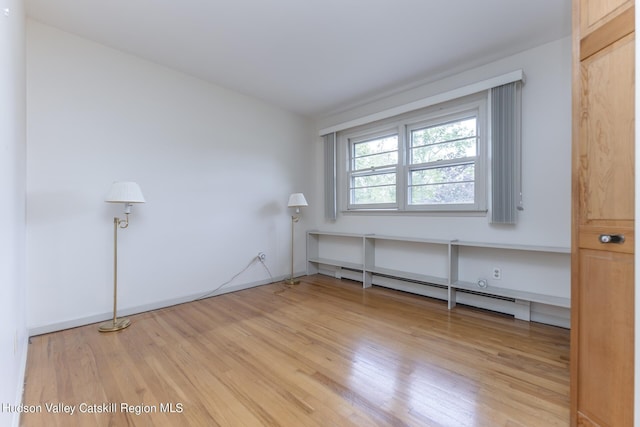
pixel 322 353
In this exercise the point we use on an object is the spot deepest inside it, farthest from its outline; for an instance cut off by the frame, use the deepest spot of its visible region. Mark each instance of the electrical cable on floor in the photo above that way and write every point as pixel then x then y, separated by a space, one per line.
pixel 266 268
pixel 253 260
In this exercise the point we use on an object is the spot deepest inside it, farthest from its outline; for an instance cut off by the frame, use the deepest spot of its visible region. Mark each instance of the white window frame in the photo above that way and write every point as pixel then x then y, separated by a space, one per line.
pixel 402 125
pixel 369 134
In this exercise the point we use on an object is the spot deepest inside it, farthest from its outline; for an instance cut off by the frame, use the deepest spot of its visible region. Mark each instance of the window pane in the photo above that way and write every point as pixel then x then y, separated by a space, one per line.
pixel 446 185
pixel 375 153
pixel 442 194
pixel 444 151
pixel 374 180
pixel 375 188
pixel 445 141
pixel 442 175
pixel 376 161
pixel 361 196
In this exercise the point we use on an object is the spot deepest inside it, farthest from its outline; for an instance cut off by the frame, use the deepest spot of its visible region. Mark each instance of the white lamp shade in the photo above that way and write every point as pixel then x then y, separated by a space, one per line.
pixel 297 200
pixel 125 192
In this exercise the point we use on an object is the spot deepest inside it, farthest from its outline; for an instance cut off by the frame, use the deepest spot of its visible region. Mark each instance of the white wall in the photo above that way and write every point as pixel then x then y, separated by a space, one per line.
pixel 546 139
pixel 215 166
pixel 13 333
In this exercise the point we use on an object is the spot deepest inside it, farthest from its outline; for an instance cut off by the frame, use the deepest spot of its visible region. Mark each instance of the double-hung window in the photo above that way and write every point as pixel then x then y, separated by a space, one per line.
pixel 430 160
pixel 442 161
pixel 373 171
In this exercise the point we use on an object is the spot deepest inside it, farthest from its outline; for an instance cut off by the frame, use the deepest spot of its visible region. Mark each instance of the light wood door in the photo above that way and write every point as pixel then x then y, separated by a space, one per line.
pixel 602 335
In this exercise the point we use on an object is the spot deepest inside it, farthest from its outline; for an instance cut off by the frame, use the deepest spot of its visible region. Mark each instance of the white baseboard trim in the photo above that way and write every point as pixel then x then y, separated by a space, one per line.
pixel 21 379
pixel 87 320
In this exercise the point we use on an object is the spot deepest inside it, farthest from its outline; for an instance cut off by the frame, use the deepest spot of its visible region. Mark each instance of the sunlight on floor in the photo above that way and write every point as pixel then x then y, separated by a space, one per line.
pixel 428 393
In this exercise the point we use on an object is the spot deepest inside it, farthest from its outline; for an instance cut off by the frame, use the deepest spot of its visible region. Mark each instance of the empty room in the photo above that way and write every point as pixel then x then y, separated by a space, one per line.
pixel 338 213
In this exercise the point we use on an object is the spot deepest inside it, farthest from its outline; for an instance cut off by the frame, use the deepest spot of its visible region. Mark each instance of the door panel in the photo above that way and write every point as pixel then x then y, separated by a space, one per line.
pixel 607 132
pixel 603 194
pixel 598 12
pixel 605 359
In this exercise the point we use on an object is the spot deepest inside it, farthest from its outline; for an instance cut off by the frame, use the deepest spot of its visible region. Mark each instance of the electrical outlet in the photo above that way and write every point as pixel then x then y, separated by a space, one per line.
pixel 262 256
pixel 496 273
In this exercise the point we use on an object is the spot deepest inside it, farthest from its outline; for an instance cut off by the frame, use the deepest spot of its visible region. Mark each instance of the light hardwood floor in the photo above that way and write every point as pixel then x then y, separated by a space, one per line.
pixel 322 353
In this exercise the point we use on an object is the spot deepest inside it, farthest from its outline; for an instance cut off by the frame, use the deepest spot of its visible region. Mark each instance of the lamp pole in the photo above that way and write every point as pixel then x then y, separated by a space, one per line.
pixel 116 324
pixel 294 219
pixel 126 192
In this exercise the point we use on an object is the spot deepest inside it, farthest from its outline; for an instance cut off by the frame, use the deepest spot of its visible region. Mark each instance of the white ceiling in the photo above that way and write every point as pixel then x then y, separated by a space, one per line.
pixel 313 56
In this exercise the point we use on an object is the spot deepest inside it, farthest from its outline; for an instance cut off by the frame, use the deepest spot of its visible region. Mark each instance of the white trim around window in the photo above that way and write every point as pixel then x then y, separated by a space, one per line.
pixel 430 160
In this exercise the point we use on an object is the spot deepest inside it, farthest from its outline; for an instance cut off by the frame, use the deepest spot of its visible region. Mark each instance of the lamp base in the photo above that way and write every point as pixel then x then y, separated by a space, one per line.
pixel 114 325
pixel 291 281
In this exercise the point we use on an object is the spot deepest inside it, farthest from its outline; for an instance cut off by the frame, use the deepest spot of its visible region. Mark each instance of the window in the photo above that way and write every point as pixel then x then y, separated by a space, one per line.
pixel 373 171
pixel 431 160
pixel 442 160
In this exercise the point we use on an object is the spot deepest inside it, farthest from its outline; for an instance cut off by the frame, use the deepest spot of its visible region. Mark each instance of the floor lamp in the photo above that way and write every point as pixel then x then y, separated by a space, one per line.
pixel 296 200
pixel 127 193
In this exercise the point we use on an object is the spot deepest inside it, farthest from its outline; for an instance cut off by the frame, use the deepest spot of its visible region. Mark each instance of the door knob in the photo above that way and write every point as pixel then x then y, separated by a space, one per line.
pixel 612 238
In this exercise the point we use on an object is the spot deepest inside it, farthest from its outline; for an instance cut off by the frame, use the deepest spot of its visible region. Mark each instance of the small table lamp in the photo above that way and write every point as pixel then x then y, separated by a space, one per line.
pixel 127 193
pixel 296 200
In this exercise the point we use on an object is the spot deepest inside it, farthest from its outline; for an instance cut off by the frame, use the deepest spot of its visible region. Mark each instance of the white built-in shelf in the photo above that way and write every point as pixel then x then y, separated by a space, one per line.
pixel 407 239
pixel 532 248
pixel 332 233
pixel 313 254
pixel 371 267
pixel 336 263
pixel 447 250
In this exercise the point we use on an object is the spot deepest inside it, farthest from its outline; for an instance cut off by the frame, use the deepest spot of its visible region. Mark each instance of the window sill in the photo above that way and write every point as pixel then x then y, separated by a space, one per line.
pixel 416 212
